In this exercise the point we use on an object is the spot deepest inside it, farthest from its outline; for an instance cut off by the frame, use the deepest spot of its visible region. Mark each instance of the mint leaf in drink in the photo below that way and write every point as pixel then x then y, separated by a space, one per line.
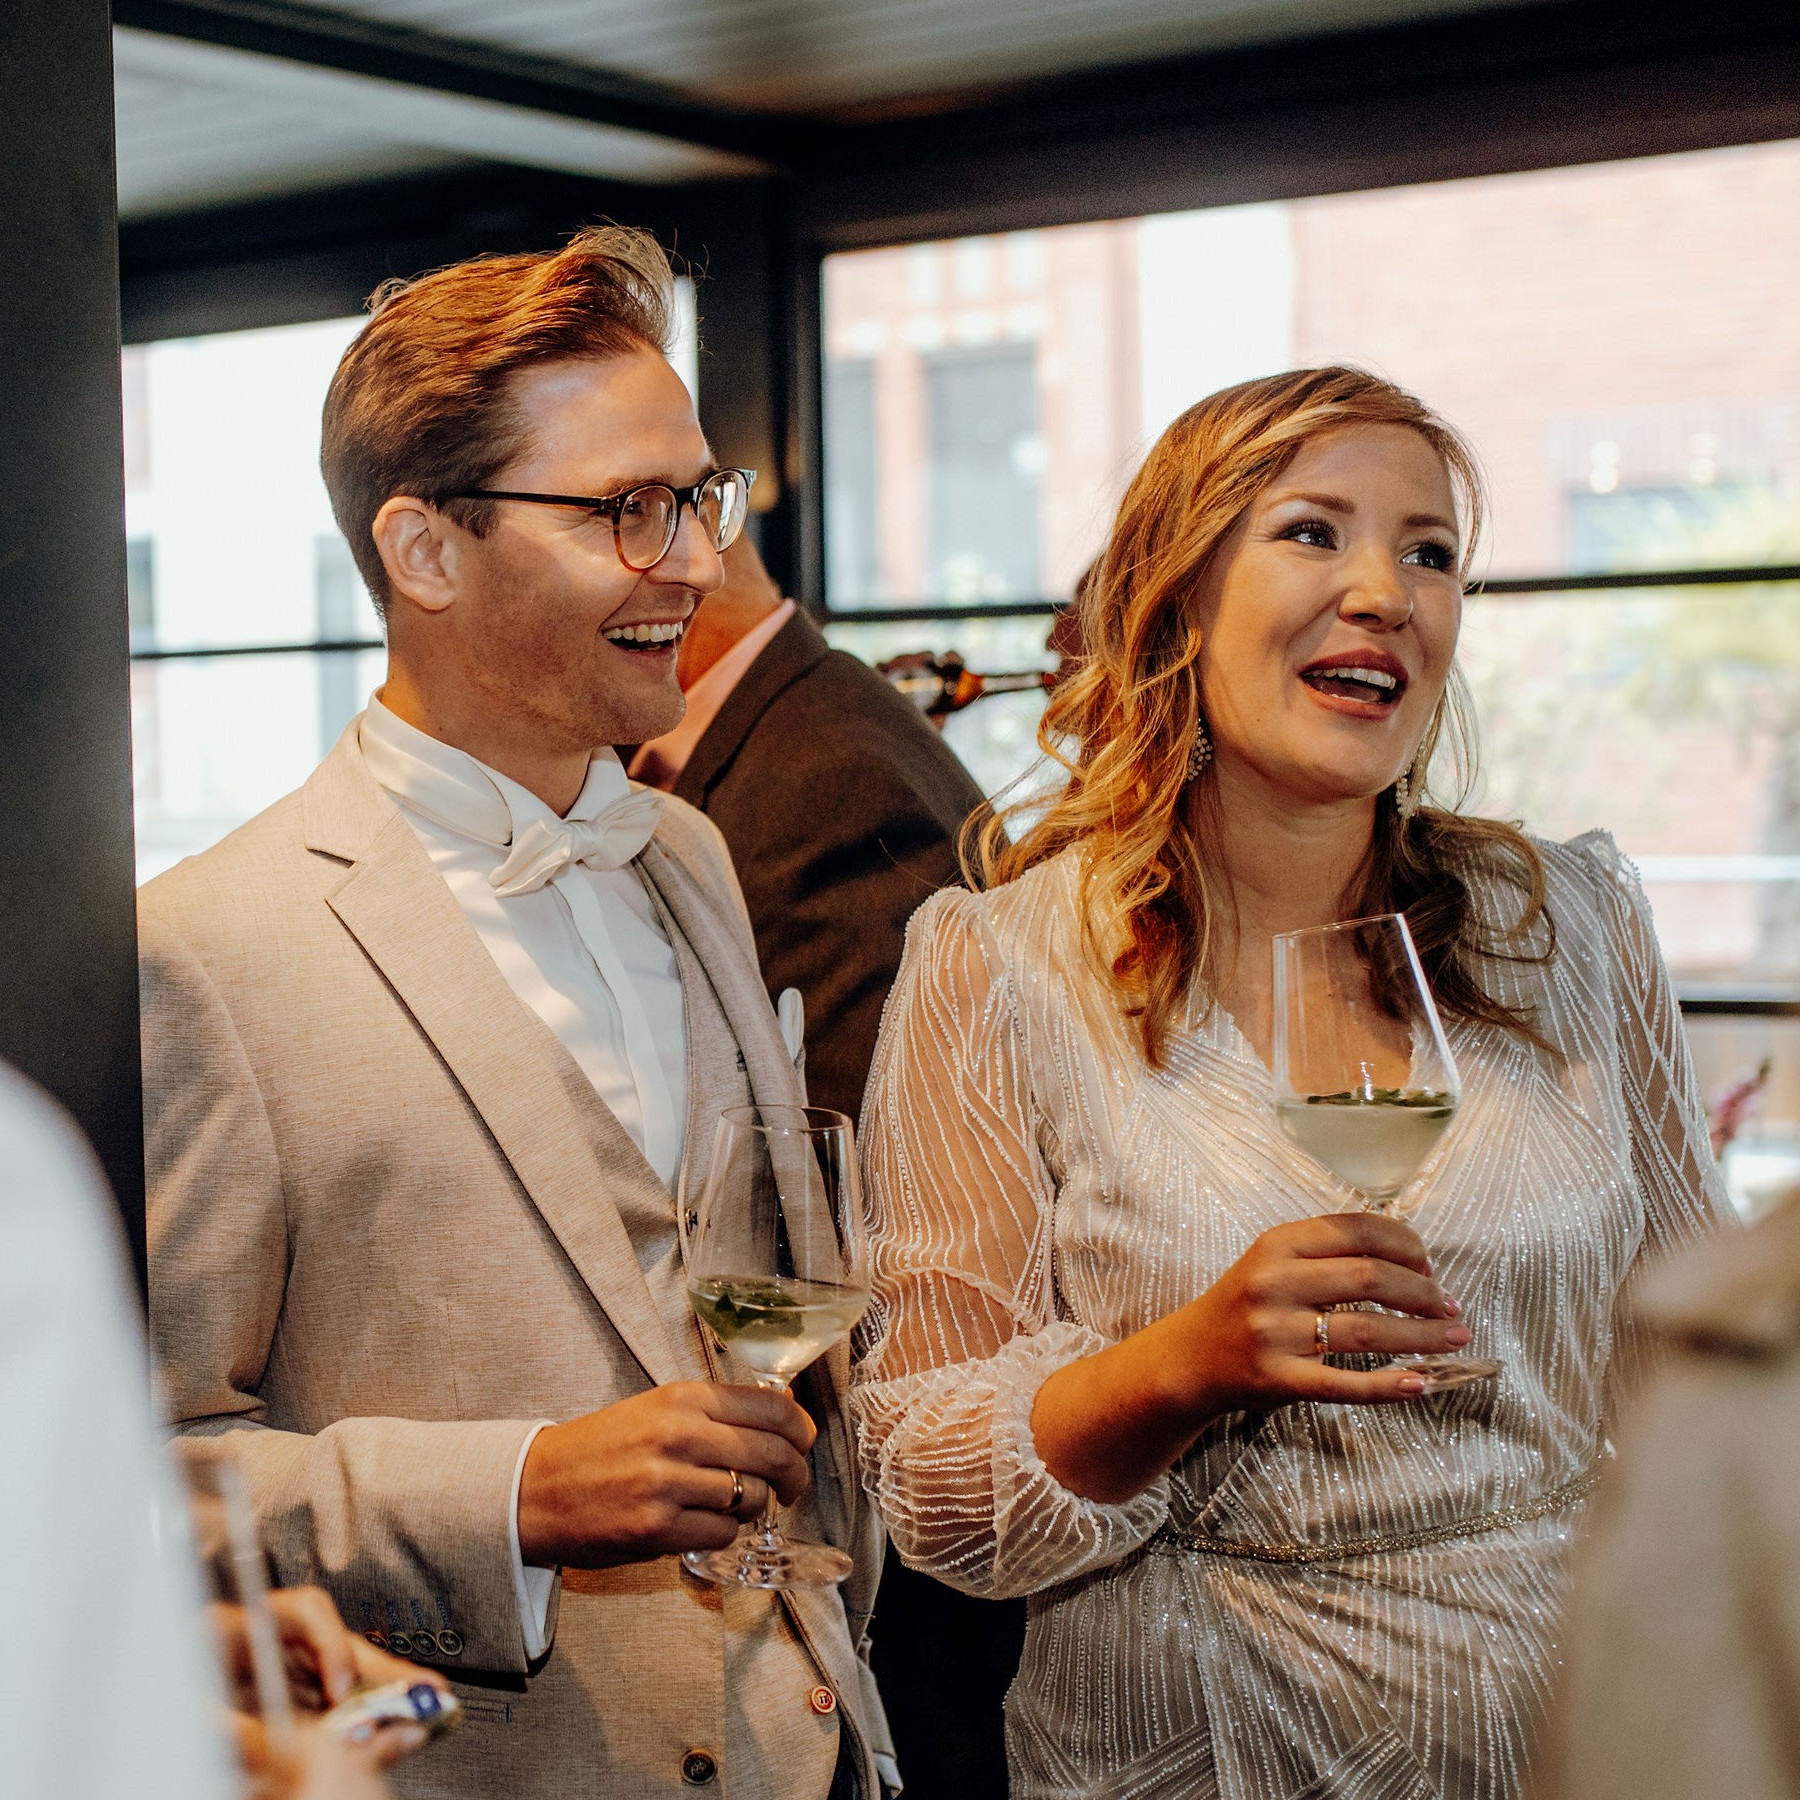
pixel 1422 1099
pixel 733 1306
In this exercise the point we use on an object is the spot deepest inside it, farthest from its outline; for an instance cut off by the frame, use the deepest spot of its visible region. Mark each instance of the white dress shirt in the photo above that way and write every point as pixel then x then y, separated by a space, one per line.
pixel 584 950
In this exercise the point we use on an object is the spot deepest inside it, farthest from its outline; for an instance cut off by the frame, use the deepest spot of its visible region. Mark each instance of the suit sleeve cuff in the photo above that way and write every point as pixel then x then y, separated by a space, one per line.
pixel 533 1588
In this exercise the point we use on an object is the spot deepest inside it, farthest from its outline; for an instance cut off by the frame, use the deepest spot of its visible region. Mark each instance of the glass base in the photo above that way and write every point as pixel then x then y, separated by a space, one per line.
pixel 751 1562
pixel 1442 1374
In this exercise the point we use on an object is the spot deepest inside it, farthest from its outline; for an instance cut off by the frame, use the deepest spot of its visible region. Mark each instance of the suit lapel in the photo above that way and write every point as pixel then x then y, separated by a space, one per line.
pixel 721 944
pixel 570 1159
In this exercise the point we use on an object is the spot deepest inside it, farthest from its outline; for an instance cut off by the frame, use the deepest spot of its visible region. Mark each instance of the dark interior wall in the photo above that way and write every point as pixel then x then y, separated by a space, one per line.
pixel 68 1000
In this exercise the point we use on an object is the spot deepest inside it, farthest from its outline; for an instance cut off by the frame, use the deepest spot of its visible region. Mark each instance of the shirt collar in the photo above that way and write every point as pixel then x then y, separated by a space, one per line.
pixel 449 787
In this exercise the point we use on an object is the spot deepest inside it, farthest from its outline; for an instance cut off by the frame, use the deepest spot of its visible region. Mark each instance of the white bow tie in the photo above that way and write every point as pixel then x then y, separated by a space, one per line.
pixel 546 847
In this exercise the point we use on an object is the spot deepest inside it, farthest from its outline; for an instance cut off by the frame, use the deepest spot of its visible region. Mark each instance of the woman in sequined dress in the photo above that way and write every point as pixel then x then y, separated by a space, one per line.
pixel 1092 1373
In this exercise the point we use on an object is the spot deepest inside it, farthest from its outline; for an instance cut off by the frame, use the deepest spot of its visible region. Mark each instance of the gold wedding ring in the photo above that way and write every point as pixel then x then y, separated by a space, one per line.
pixel 1322 1333
pixel 737 1490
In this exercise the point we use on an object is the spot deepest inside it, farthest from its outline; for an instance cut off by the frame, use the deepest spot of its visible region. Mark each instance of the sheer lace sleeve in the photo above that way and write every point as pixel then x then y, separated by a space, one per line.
pixel 963 1332
pixel 1677 1179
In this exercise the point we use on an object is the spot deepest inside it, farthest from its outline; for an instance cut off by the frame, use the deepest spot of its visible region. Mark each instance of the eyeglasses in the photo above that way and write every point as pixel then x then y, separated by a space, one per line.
pixel 646 518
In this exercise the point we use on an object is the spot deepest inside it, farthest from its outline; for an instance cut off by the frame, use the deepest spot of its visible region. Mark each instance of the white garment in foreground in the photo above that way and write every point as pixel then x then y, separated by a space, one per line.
pixel 1038 1193
pixel 107 1688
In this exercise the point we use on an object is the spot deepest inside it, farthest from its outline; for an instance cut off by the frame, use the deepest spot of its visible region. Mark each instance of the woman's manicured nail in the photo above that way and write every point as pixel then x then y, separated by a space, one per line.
pixel 1457 1336
pixel 1412 1384
pixel 1452 1308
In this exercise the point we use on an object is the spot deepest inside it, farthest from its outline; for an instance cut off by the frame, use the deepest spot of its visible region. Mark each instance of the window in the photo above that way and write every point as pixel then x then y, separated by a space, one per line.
pixel 225 499
pixel 855 572
pixel 140 590
pixel 984 462
pixel 343 614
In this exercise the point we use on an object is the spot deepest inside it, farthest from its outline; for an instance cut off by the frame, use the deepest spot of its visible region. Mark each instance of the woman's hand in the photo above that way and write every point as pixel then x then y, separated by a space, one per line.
pixel 1251 1339
pixel 1109 1425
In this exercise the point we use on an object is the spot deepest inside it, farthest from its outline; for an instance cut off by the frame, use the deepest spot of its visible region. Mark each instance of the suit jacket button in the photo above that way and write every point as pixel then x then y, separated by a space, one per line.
pixel 424 1644
pixel 449 1643
pixel 399 1644
pixel 377 1638
pixel 699 1767
pixel 822 1700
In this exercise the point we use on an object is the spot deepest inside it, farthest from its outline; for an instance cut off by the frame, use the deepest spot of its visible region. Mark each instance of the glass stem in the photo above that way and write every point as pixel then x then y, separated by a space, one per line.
pixel 768 1534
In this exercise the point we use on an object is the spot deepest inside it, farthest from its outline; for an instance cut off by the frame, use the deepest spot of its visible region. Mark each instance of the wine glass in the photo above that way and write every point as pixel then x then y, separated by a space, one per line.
pixel 1364 1079
pixel 778 1271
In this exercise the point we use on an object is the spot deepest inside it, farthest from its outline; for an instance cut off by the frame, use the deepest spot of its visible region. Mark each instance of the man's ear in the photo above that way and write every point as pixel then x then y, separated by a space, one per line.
pixel 420 550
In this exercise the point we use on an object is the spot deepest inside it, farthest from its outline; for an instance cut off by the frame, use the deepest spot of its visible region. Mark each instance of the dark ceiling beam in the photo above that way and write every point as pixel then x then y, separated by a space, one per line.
pixel 1519 87
pixel 460 66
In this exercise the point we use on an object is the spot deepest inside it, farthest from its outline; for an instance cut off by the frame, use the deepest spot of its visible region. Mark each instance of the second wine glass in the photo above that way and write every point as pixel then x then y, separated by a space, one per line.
pixel 778 1271
pixel 1364 1079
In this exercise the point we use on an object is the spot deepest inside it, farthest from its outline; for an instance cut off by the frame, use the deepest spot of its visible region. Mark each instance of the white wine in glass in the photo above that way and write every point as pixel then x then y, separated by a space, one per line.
pixel 778 1272
pixel 1364 1079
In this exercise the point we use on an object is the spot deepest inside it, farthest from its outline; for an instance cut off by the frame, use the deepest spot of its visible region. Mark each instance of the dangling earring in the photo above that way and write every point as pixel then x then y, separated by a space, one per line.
pixel 1409 790
pixel 1201 754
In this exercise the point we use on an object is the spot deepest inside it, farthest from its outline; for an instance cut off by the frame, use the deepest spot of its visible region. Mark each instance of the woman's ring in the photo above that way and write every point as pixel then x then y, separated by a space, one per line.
pixel 1322 1333
pixel 737 1490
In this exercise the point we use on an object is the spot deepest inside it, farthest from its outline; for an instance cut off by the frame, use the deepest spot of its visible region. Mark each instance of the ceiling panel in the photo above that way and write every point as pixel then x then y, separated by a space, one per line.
pixel 834 56
pixel 197 125
pixel 186 143
pixel 200 123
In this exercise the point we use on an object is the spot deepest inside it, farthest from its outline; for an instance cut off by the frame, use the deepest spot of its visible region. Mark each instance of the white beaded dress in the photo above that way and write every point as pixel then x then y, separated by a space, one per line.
pixel 1354 1602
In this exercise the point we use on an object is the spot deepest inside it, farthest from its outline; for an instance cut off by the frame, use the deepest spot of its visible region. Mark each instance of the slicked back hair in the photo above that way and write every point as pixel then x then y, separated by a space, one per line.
pixel 422 400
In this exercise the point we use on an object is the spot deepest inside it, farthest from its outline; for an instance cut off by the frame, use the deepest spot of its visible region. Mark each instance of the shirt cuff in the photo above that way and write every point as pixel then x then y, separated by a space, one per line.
pixel 532 1587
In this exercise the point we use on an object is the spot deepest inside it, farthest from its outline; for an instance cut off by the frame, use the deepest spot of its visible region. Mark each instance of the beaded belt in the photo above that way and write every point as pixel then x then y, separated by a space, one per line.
pixel 1174 1540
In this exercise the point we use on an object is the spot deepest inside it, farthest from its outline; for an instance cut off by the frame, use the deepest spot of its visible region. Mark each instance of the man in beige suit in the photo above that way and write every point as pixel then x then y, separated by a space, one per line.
pixel 430 1049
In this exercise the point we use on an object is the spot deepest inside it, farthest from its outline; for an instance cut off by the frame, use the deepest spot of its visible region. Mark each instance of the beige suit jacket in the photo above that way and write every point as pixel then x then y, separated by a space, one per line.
pixel 392 1226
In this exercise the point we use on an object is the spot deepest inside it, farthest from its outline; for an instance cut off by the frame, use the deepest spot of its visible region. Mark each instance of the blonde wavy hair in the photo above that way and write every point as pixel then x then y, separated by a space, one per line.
pixel 1157 911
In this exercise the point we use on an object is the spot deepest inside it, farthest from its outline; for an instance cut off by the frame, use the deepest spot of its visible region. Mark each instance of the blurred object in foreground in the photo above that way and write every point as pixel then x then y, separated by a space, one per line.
pixel 1681 1672
pixel 941 685
pixel 1733 1106
pixel 108 1690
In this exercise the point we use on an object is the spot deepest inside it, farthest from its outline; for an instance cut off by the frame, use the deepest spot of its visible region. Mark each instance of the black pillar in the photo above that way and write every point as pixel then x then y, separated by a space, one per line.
pixel 68 947
pixel 735 239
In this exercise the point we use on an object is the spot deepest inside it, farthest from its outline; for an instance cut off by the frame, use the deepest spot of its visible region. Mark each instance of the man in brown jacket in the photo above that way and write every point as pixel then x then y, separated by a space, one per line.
pixel 431 1049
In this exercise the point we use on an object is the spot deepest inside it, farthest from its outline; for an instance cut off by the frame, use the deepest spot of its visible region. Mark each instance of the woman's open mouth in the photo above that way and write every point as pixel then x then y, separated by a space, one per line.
pixel 1370 680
